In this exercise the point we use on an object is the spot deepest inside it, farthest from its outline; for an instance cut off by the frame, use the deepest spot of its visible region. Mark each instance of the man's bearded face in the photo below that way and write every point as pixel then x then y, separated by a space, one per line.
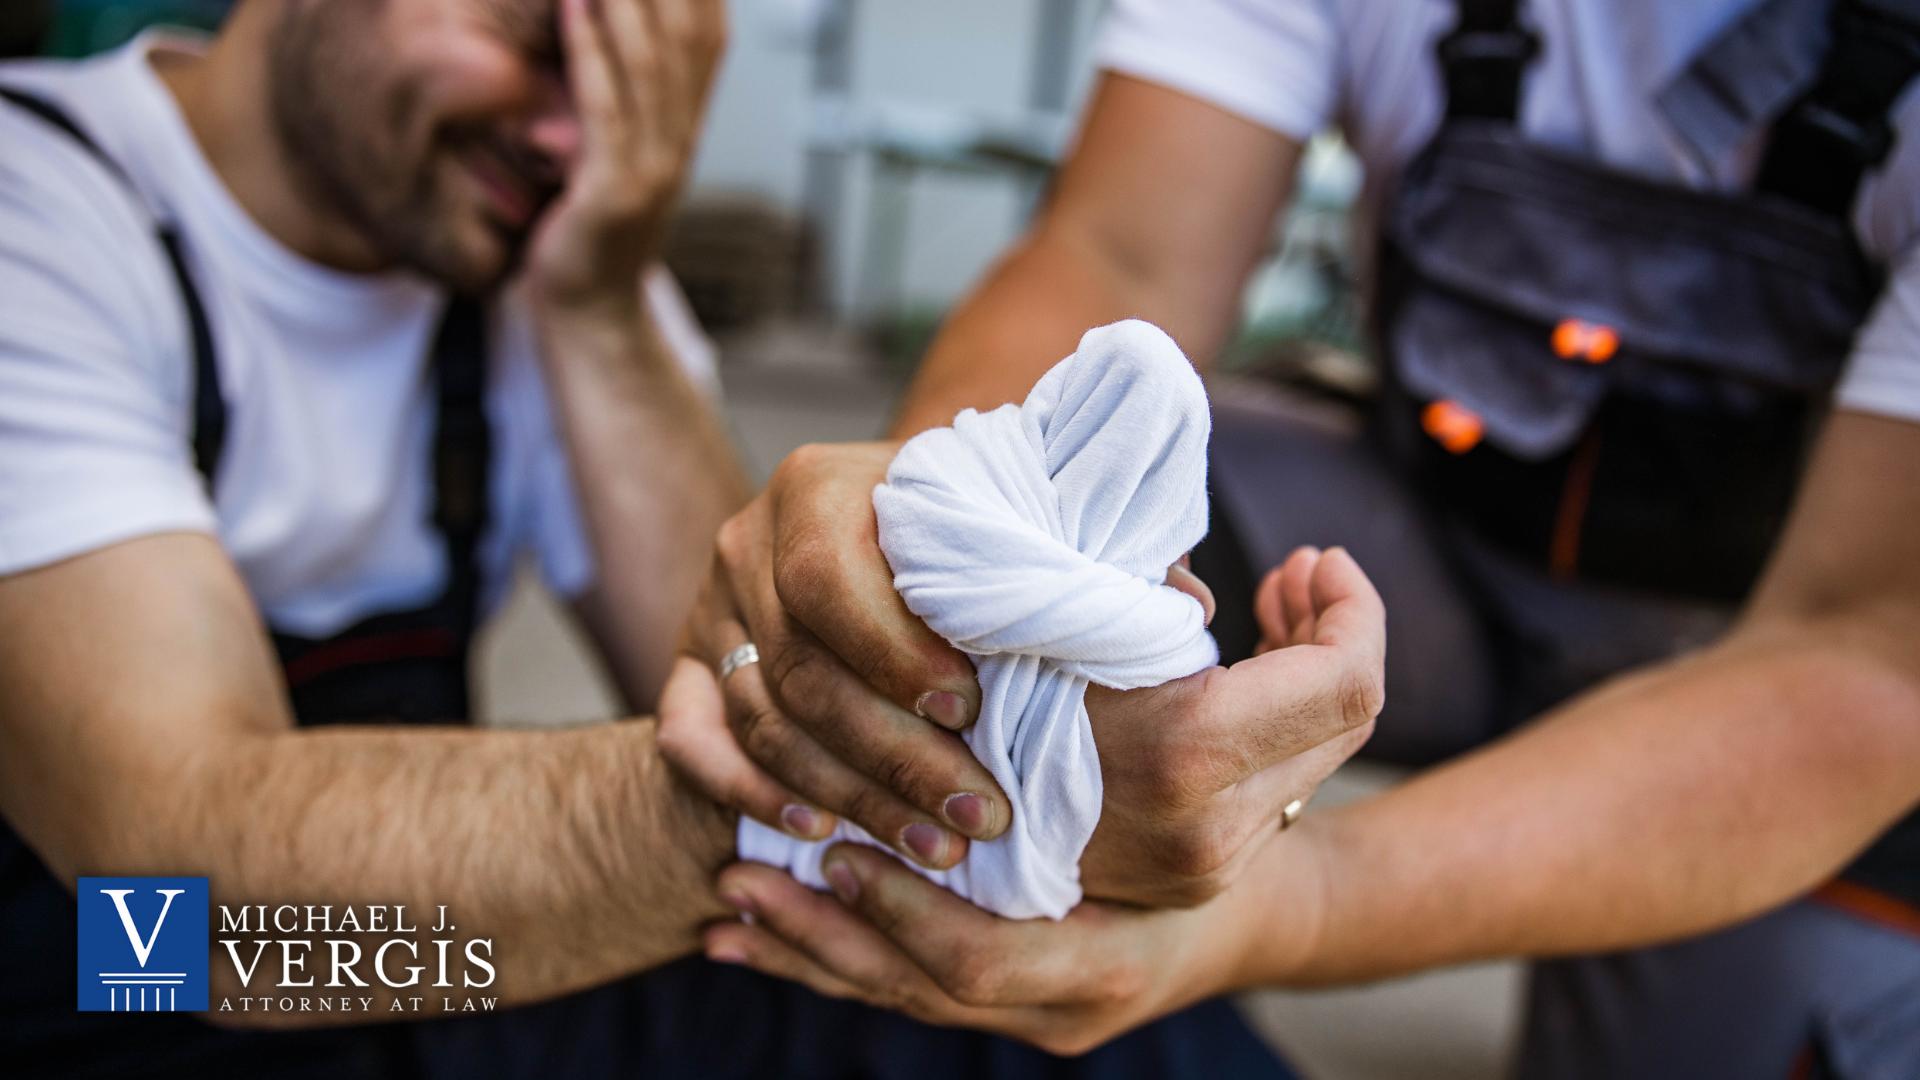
pixel 439 129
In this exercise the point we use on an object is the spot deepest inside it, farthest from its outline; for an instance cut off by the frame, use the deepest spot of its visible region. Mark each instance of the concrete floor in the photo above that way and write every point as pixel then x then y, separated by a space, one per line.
pixel 1452 1025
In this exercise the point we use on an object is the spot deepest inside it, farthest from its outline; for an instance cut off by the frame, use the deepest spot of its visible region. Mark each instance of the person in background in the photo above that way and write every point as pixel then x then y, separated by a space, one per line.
pixel 1646 277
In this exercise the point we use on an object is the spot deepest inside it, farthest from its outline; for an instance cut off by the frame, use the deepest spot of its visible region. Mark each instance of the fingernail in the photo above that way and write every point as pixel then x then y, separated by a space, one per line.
pixel 943 707
pixel 927 842
pixel 740 902
pixel 801 821
pixel 726 954
pixel 969 813
pixel 840 878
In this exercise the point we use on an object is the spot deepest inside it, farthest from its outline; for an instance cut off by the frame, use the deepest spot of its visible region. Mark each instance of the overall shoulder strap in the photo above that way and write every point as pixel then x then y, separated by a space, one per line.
pixel 462 447
pixel 209 404
pixel 1825 144
pixel 1484 58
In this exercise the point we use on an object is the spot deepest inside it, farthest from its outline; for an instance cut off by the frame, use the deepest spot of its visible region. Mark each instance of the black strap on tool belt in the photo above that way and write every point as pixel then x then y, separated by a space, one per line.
pixel 1825 145
pixel 1818 153
pixel 1483 59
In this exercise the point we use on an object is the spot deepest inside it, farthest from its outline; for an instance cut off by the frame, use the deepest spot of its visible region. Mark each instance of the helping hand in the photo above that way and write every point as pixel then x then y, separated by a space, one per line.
pixel 826 723
pixel 899 942
pixel 1198 771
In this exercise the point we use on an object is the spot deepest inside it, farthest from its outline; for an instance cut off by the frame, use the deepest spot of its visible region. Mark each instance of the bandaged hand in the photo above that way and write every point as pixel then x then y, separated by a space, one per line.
pixel 1193 770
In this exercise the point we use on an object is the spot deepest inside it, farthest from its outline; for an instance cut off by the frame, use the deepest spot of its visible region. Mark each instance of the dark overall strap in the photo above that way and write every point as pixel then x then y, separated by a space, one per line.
pixel 462 450
pixel 1826 143
pixel 410 666
pixel 1484 59
pixel 209 405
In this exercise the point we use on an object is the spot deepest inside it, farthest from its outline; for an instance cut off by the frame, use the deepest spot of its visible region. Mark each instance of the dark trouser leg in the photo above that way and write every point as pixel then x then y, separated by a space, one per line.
pixel 1805 991
pixel 1288 471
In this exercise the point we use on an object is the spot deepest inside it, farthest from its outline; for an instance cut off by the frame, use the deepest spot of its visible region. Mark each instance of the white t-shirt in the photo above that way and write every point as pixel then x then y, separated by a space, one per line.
pixel 323 497
pixel 1368 66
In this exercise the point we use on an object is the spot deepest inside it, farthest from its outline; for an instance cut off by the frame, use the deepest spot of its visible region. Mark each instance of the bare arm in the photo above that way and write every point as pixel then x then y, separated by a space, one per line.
pixel 143 729
pixel 1160 213
pixel 656 474
pixel 655 470
pixel 1674 800
pixel 1669 802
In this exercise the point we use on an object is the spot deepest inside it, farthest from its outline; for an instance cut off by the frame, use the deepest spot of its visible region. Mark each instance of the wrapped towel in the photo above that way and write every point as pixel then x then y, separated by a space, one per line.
pixel 1036 538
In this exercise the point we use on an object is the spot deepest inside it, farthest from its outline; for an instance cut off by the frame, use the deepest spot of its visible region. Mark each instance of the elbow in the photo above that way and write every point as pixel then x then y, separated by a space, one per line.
pixel 1852 674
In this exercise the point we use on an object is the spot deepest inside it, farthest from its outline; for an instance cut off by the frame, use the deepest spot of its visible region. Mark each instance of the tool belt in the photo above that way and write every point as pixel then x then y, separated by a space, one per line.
pixel 1618 380
pixel 1613 378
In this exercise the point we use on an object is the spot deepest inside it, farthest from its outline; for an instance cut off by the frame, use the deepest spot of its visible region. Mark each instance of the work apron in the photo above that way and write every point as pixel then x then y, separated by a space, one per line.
pixel 691 1019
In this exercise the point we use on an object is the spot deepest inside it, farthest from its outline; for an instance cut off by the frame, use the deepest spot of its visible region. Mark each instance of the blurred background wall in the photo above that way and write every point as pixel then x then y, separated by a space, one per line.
pixel 865 161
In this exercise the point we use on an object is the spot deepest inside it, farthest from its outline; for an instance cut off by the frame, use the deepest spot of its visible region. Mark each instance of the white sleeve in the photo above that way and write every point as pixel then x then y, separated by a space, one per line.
pixel 93 418
pixel 1274 62
pixel 1883 375
pixel 557 532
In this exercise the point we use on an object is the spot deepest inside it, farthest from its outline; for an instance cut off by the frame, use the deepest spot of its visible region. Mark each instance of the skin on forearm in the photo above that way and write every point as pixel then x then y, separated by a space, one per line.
pixel 1031 311
pixel 1668 803
pixel 657 475
pixel 574 851
pixel 143 730
pixel 1160 213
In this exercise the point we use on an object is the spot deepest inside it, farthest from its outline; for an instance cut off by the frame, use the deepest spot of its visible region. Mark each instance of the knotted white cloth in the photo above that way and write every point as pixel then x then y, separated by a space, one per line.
pixel 1036 538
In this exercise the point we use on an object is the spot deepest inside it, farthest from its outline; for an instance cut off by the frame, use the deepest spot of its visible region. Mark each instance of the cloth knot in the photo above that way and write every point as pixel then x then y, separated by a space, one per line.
pixel 1036 539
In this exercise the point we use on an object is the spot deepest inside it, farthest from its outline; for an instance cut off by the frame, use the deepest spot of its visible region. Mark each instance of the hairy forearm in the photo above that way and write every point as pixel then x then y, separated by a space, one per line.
pixel 657 475
pixel 1670 802
pixel 574 851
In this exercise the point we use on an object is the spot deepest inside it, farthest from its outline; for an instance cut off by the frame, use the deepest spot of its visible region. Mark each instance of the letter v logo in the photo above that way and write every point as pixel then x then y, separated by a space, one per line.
pixel 143 944
pixel 141 949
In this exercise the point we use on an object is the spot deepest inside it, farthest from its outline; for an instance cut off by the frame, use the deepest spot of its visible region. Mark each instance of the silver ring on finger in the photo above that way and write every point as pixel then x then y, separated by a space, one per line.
pixel 740 656
pixel 1291 813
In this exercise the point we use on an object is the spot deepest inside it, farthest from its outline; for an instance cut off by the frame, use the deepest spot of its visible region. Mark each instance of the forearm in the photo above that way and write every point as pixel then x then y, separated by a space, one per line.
pixel 1060 282
pixel 657 475
pixel 1668 803
pixel 1160 213
pixel 574 851
pixel 1030 312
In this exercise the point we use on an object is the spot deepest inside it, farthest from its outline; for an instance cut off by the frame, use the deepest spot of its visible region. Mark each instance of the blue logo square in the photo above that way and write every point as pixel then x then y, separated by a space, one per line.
pixel 143 944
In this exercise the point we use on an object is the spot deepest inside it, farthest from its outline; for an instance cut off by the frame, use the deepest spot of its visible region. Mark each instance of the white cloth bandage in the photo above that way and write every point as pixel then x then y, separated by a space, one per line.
pixel 1036 538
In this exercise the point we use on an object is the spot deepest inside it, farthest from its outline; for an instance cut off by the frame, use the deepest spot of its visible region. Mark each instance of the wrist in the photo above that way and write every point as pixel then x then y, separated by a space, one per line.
pixel 603 321
pixel 1281 909
pixel 673 842
pixel 611 352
